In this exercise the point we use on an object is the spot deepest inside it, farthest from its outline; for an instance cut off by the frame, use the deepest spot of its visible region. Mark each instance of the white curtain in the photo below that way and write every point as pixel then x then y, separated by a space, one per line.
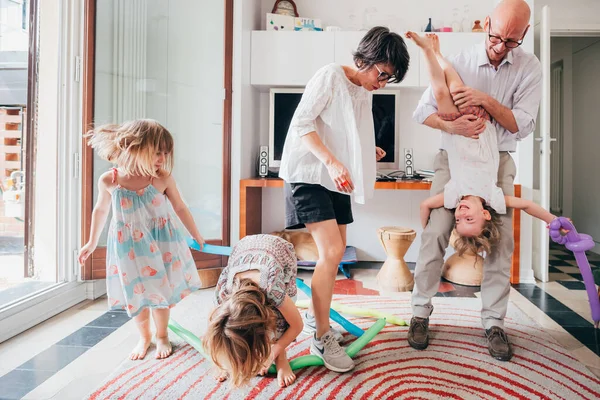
pixel 129 59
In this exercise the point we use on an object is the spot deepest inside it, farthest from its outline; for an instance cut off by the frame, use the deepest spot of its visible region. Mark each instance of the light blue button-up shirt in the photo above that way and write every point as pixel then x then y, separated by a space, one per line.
pixel 516 84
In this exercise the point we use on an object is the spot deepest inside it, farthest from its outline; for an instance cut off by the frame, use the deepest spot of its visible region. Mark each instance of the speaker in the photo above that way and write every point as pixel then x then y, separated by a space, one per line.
pixel 263 161
pixel 409 167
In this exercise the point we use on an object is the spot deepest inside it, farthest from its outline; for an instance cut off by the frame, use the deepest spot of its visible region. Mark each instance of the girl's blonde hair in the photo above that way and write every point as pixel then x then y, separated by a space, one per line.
pixel 240 332
pixel 486 241
pixel 133 146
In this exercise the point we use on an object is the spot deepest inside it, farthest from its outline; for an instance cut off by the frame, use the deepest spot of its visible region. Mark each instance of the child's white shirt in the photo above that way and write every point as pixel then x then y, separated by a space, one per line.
pixel 473 167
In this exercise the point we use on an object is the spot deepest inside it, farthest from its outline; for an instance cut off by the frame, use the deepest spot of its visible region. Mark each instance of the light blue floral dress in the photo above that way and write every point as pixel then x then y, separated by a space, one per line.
pixel 148 262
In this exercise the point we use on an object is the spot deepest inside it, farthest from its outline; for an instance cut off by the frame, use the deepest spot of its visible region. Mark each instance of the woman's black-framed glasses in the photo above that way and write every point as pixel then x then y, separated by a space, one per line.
pixel 384 76
pixel 509 43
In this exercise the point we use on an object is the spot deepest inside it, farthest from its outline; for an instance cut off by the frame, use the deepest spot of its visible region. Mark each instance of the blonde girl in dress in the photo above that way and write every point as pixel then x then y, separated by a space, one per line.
pixel 149 265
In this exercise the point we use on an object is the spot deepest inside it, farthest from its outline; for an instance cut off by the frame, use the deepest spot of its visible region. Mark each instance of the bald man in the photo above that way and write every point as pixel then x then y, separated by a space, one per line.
pixel 506 81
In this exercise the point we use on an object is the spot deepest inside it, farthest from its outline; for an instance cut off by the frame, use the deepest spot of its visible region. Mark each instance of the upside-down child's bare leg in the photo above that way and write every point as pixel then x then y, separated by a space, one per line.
pixel 436 73
pixel 453 80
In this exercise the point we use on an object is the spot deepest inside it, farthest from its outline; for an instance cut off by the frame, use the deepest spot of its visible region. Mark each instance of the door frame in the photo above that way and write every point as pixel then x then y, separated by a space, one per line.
pixel 541 240
pixel 95 266
pixel 30 133
pixel 564 31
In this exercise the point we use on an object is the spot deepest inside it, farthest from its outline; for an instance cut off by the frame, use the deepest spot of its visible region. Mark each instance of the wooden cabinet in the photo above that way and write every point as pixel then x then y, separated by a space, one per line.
pixel 347 42
pixel 450 44
pixel 289 58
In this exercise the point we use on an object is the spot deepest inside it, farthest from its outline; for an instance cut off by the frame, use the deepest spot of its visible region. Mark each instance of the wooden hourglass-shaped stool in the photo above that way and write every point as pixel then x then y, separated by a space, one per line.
pixel 464 270
pixel 394 275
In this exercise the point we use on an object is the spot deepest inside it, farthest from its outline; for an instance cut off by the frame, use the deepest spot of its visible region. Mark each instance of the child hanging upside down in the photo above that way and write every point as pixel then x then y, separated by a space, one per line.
pixel 473 162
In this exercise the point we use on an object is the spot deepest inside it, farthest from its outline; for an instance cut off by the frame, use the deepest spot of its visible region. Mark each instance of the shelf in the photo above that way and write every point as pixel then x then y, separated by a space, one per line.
pixel 278 183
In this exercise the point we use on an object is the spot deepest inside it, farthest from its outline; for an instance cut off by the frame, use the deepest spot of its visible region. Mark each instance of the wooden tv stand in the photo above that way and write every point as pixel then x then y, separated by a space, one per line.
pixel 251 208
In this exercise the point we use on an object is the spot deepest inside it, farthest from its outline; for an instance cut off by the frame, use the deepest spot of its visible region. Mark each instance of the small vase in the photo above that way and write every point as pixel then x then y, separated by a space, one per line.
pixel 429 28
pixel 477 26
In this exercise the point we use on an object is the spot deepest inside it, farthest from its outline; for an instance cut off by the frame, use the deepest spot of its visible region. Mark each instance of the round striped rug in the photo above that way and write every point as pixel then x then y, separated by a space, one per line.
pixel 456 365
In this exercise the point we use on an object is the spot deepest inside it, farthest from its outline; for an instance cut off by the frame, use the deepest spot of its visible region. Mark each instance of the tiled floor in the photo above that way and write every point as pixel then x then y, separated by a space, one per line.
pixel 69 355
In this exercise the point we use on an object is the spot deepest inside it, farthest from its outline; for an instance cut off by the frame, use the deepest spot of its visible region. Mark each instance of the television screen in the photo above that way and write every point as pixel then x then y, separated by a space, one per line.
pixel 285 101
pixel 284 107
pixel 384 119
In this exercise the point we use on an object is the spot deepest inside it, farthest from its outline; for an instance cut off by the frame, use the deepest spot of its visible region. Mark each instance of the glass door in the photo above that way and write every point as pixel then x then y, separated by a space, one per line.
pixel 20 275
pixel 155 59
pixel 37 187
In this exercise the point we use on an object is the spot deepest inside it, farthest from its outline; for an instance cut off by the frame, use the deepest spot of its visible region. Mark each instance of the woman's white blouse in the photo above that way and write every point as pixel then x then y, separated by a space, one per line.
pixel 341 114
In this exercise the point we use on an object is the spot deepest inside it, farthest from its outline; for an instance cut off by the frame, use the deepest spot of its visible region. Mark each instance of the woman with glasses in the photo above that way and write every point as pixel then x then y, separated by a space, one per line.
pixel 329 155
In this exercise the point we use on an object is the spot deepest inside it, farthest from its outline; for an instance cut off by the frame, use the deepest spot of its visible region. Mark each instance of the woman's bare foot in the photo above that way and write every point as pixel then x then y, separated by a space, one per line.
pixel 139 351
pixel 163 347
pixel 422 42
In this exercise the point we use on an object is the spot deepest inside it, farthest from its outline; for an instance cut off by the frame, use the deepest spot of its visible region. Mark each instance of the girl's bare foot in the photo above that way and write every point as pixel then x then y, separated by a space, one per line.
pixel 285 375
pixel 223 375
pixel 163 347
pixel 422 42
pixel 139 351
pixel 265 368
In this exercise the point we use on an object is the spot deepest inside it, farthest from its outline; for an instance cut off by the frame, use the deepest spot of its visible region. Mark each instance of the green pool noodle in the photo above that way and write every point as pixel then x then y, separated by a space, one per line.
pixel 355 347
pixel 188 337
pixel 297 363
pixel 359 312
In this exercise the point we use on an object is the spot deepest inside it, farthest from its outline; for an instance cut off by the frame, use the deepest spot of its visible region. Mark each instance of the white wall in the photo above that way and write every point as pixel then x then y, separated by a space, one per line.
pixel 562 50
pixel 571 14
pixel 245 136
pixel 250 124
pixel 398 15
pixel 586 140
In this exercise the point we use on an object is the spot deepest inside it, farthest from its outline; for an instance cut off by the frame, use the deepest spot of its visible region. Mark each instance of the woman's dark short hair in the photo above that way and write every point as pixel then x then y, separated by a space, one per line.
pixel 380 46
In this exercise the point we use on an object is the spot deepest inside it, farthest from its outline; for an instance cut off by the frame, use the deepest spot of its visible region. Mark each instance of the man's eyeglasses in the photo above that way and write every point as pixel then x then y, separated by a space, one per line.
pixel 384 76
pixel 509 43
